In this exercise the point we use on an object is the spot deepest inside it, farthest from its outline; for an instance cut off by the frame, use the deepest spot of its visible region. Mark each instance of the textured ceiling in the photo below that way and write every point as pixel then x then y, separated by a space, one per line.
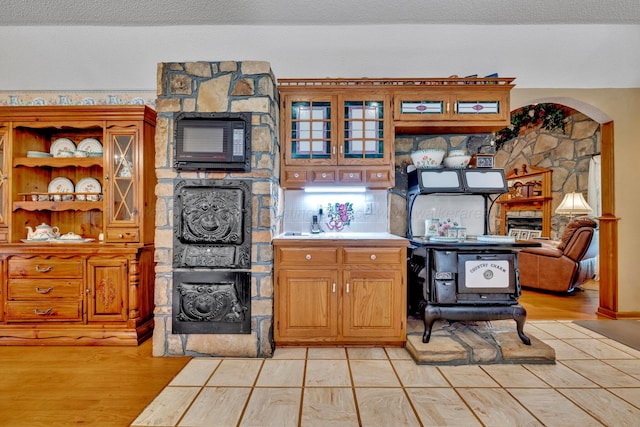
pixel 316 12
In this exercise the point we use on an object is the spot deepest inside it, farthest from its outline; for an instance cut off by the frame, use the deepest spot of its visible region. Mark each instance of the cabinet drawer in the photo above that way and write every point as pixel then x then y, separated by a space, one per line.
pixel 378 175
pixel 41 267
pixel 354 176
pixel 373 256
pixel 324 176
pixel 29 289
pixel 39 311
pixel 122 235
pixel 295 176
pixel 301 257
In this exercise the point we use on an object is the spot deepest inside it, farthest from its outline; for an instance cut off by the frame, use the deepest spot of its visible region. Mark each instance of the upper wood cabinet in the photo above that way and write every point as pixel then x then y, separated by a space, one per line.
pixel 335 135
pixel 453 105
pixel 342 131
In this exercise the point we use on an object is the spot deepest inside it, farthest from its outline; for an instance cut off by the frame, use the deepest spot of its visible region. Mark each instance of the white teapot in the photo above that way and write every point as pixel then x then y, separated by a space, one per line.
pixel 43 232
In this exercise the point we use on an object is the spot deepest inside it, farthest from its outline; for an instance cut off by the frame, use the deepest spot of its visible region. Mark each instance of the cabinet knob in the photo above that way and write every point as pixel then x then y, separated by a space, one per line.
pixel 351 175
pixel 296 175
pixel 307 257
pixel 379 175
pixel 373 257
pixel 324 175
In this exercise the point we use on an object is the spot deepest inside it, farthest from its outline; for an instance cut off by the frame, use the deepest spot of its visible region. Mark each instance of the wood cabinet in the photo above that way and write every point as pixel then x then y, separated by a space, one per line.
pixel 335 135
pixel 99 289
pixel 468 105
pixel 340 292
pixel 529 190
pixel 342 131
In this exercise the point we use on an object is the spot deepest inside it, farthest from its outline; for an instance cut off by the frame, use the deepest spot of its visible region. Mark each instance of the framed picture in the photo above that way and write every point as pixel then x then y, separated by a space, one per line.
pixel 534 234
pixel 514 232
pixel 524 235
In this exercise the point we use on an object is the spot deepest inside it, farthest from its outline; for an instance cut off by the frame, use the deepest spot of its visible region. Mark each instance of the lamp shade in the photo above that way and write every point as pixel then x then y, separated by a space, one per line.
pixel 574 204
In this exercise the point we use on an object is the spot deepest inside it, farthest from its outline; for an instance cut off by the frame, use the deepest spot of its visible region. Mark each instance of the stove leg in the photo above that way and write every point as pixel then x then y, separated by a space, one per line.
pixel 520 315
pixel 431 314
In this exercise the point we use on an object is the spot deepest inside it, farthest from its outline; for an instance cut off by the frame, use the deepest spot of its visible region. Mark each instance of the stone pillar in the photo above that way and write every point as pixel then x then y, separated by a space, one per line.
pixel 224 86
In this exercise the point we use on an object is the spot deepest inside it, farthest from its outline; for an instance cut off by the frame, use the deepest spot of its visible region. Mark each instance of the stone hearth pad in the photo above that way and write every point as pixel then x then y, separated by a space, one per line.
pixel 475 343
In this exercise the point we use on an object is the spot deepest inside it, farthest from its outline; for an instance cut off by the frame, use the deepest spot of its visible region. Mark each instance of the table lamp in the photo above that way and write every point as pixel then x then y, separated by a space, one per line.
pixel 573 204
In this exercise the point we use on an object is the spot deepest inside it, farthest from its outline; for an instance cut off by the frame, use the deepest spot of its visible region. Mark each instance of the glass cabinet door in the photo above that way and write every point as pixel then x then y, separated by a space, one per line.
pixel 311 132
pixel 363 130
pixel 122 173
pixel 366 125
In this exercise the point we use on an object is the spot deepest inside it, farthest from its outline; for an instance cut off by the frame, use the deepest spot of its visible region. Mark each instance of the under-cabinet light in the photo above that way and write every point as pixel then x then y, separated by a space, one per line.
pixel 335 189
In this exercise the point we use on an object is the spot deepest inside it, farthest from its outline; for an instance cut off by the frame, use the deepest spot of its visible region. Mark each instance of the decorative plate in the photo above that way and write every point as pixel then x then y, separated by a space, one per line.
pixel 90 145
pixel 61 185
pixel 38 154
pixel 496 239
pixel 443 239
pixel 88 185
pixel 62 144
pixel 80 240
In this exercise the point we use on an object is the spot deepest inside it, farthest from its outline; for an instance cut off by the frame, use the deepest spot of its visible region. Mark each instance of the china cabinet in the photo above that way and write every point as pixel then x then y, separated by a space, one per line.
pixel 335 134
pixel 88 173
pixel 529 191
pixel 340 292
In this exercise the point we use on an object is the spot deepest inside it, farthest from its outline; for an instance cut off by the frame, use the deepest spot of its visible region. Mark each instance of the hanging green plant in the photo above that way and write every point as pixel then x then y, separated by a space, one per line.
pixel 548 116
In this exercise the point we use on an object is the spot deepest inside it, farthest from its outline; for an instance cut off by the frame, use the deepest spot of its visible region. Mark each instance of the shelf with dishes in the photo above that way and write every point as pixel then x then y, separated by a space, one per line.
pixel 62 194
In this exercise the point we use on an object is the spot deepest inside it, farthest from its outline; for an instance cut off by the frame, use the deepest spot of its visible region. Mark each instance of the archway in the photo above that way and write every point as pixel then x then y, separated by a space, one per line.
pixel 608 305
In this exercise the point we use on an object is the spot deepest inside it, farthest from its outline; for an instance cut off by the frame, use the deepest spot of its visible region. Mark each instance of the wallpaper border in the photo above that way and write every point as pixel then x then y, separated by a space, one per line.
pixel 77 97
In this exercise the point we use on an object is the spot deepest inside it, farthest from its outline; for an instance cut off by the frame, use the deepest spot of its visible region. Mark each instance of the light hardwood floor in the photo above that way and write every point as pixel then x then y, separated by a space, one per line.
pixel 110 386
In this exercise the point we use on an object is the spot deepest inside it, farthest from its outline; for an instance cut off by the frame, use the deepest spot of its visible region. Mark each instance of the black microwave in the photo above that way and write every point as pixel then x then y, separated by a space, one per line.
pixel 212 141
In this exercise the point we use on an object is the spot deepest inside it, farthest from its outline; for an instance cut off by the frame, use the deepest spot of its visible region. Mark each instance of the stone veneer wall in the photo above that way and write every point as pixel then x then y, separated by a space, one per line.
pixel 225 86
pixel 566 153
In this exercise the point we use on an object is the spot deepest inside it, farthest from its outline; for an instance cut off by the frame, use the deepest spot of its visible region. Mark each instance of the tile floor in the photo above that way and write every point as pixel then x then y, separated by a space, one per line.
pixel 596 381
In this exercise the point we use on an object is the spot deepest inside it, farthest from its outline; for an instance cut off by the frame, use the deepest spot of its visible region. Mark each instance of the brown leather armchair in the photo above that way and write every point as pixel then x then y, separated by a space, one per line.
pixel 565 265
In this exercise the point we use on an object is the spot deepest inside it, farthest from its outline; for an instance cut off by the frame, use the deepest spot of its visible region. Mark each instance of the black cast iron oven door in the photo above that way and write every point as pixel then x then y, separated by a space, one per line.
pixel 211 302
pixel 212 224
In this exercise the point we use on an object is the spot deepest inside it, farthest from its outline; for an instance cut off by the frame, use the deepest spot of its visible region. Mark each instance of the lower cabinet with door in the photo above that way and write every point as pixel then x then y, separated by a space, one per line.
pixel 76 295
pixel 340 292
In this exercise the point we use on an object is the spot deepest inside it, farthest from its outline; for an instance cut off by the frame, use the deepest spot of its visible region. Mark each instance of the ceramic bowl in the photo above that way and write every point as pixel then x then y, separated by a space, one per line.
pixel 429 158
pixel 454 153
pixel 457 162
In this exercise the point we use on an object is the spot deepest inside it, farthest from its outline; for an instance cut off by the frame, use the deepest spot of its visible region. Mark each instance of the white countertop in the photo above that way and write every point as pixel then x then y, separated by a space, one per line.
pixel 339 236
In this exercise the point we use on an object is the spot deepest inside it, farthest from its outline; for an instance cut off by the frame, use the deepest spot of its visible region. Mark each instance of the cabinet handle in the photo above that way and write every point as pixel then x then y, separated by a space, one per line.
pixel 379 175
pixel 333 287
pixel 43 291
pixel 307 257
pixel 373 257
pixel 341 150
pixel 106 177
pixel 447 107
pixel 333 150
pixel 43 270
pixel 296 175
pixel 43 313
pixel 347 287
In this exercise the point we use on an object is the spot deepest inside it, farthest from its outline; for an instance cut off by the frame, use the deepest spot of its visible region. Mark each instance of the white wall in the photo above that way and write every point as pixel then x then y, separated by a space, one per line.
pixel 118 58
